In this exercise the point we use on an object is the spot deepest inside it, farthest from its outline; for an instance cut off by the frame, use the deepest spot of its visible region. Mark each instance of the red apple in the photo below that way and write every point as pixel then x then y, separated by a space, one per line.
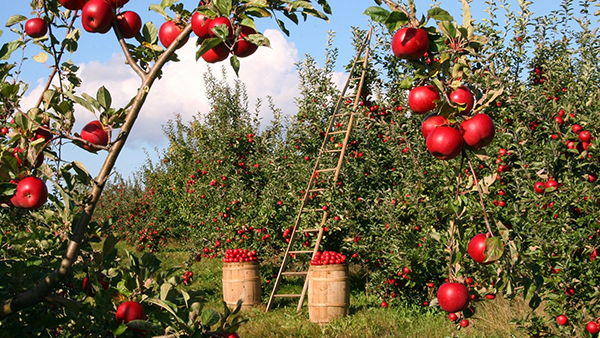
pixel 462 95
pixel 243 48
pixel 168 33
pixel 97 16
pixel 478 131
pixel 14 200
pixel 129 311
pixel 32 193
pixel 422 99
pixel 216 54
pixel 561 320
pixel 585 136
pixel 445 143
pixel 200 25
pixel 431 122
pixel 552 184
pixel 220 21
pixel 452 316
pixel 410 43
pixel 453 297
pixel 476 248
pixel 129 24
pixel 36 28
pixel 592 327
pixel 118 3
pixel 95 133
pixel 464 323
pixel 539 187
pixel 42 133
pixel 72 4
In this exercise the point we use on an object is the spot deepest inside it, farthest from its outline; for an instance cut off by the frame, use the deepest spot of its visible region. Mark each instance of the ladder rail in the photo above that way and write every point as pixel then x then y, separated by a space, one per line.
pixel 364 48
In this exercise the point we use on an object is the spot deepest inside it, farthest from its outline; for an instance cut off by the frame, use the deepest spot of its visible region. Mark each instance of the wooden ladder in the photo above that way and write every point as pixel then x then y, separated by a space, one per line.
pixel 334 131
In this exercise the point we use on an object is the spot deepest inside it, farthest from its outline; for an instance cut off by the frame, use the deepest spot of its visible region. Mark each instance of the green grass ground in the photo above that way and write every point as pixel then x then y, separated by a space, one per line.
pixel 366 319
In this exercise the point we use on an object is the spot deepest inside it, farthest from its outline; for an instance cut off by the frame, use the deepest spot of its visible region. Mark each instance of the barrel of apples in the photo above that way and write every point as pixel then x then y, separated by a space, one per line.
pixel 241 277
pixel 328 287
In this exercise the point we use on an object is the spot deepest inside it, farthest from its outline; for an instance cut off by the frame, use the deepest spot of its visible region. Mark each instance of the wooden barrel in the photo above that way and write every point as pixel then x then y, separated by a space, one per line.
pixel 328 292
pixel 238 277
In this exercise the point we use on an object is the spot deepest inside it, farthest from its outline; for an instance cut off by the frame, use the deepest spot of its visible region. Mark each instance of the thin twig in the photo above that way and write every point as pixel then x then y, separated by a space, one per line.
pixel 487 222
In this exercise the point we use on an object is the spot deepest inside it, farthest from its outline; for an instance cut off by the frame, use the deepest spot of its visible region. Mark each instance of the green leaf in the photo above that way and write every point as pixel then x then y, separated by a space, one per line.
pixel 160 10
pixel 82 174
pixel 109 245
pixel 377 13
pixel 164 290
pixel 467 18
pixel 494 248
pixel 396 20
pixel 224 6
pixel 439 14
pixel 149 33
pixel 122 288
pixel 41 57
pixel 235 64
pixel 15 19
pixel 8 48
pixel 448 29
pixel 282 27
pixel 103 97
pixel 120 330
pixel 210 317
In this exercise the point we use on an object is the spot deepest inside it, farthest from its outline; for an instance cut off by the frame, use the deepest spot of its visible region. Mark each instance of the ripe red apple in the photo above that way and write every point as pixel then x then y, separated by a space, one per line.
pixel 453 297
pixel 36 28
pixel 464 323
pixel 129 24
pixel 118 3
pixel 463 95
pixel 168 33
pixel 592 177
pixel 552 184
pixel 585 136
pixel 200 25
pixel 97 16
pixel 219 21
pixel 478 131
pixel 431 122
pixel 445 143
pixel 31 193
pixel 243 48
pixel 73 5
pixel 422 99
pixel 592 327
pixel 410 43
pixel 216 54
pixel 539 187
pixel 477 247
pixel 561 320
pixel 452 316
pixel 231 335
pixel 95 133
pixel 129 311
pixel 4 130
pixel 14 200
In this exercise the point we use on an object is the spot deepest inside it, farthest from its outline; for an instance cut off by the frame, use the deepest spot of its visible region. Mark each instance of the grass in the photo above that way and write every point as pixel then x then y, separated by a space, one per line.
pixel 492 318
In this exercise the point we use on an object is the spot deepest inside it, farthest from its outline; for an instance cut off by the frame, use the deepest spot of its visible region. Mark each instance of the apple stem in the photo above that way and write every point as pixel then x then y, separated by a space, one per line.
pixel 487 221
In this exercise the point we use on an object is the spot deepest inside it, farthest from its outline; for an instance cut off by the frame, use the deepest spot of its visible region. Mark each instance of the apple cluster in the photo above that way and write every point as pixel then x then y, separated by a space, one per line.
pixel 187 277
pixel 328 258
pixel 239 255
pixel 443 140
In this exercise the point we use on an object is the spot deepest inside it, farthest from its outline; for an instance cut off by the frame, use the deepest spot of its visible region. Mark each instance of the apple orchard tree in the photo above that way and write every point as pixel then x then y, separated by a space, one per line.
pixel 46 233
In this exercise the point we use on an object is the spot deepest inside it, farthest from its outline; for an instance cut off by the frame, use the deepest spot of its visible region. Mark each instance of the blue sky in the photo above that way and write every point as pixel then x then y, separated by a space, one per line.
pixel 181 89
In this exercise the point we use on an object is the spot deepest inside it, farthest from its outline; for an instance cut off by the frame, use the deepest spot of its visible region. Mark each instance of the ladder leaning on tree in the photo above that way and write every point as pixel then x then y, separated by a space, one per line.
pixel 340 126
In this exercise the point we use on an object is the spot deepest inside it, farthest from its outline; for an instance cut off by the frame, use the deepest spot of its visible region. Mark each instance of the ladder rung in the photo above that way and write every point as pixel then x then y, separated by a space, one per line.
pixel 325 170
pixel 301 251
pixel 318 190
pixel 313 210
pixel 333 150
pixel 310 230
pixel 294 273
pixel 286 295
pixel 338 132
